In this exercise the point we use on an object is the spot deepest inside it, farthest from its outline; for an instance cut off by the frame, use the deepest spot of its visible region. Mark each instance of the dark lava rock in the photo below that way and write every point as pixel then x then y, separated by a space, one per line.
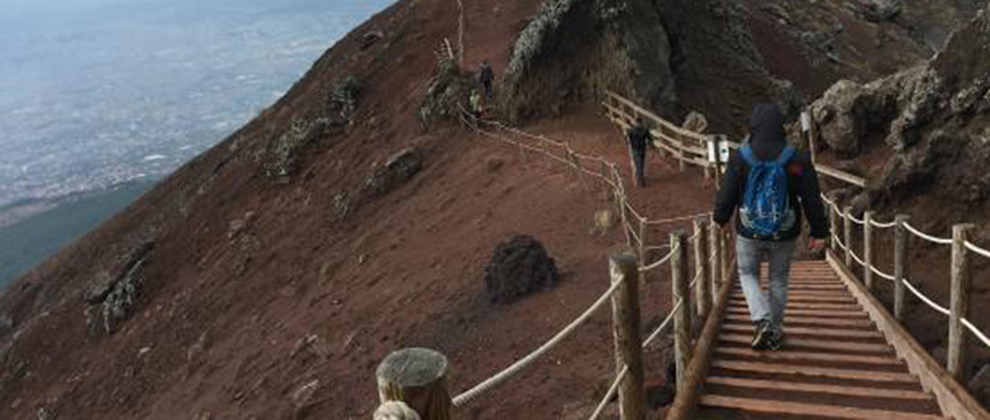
pixel 519 267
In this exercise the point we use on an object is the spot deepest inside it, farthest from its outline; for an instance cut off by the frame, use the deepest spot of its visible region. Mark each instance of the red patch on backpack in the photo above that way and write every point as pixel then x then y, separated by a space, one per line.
pixel 795 169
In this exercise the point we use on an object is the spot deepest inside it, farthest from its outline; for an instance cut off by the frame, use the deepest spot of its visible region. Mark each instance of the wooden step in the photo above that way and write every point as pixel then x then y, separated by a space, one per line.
pixel 791 342
pixel 799 297
pixel 814 372
pixel 851 391
pixel 805 409
pixel 806 305
pixel 800 356
pixel 797 320
pixel 818 332
pixel 805 313
pixel 809 287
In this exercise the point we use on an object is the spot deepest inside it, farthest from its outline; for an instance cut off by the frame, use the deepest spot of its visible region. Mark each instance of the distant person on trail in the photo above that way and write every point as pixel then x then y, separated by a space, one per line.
pixel 770 184
pixel 477 109
pixel 486 76
pixel 639 138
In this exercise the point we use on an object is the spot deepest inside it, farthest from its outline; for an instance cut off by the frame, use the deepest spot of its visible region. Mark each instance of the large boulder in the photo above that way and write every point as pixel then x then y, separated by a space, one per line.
pixel 519 267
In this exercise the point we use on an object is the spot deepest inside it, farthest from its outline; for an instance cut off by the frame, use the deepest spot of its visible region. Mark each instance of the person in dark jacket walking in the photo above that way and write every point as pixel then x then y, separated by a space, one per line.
pixel 768 145
pixel 639 138
pixel 486 76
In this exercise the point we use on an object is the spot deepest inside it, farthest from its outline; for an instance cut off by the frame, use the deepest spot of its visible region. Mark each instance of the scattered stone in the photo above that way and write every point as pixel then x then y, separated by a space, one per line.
pixel 696 122
pixel 395 410
pixel 144 350
pixel 519 267
pixel 303 396
pixel 398 169
pixel 370 39
pixel 778 12
pixel 116 295
pixel 6 325
pixel 604 219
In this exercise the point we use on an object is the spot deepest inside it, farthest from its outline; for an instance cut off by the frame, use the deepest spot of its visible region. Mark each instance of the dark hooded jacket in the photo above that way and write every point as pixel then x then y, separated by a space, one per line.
pixel 768 141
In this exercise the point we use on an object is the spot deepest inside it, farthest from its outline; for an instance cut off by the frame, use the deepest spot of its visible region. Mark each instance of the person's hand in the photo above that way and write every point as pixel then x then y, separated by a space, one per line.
pixel 816 245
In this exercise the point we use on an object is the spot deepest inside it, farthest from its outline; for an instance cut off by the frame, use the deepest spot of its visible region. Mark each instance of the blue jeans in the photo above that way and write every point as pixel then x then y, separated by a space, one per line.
pixel 639 159
pixel 750 254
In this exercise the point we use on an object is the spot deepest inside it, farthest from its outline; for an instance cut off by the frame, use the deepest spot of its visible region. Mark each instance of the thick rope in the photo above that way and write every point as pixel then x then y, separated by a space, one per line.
pixel 879 225
pixel 925 299
pixel 663 325
pixel 860 222
pixel 972 247
pixel 662 261
pixel 525 362
pixel 611 393
pixel 877 271
pixel 927 237
pixel 976 331
pixel 858 260
pixel 678 219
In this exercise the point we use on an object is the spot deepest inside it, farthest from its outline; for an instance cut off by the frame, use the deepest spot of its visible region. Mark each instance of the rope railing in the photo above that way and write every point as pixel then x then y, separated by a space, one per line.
pixel 972 247
pixel 927 237
pixel 860 222
pixel 880 225
pixel 883 275
pixel 529 359
pixel 678 219
pixel 662 261
pixel 917 293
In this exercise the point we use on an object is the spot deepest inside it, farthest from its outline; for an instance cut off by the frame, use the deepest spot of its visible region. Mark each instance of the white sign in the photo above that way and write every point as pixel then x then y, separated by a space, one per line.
pixel 722 146
pixel 805 121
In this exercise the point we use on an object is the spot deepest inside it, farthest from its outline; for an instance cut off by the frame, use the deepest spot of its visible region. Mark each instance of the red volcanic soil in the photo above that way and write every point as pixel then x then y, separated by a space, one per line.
pixel 223 315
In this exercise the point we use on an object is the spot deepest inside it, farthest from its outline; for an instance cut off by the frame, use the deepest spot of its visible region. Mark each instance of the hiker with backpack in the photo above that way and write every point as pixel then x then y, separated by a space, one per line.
pixel 639 138
pixel 772 185
pixel 486 76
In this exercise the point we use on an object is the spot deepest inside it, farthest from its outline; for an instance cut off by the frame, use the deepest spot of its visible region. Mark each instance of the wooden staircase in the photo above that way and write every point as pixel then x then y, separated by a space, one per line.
pixel 835 363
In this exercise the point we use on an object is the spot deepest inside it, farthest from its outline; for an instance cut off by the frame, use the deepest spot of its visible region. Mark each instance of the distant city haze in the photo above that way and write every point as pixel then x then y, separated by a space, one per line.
pixel 94 93
pixel 101 98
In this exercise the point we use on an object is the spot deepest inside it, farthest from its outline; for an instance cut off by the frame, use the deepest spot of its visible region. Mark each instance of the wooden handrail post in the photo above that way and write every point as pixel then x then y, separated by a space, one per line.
pixel 902 266
pixel 959 302
pixel 715 257
pixel 868 249
pixel 680 152
pixel 624 269
pixel 727 246
pixel 717 140
pixel 833 219
pixel 605 190
pixel 621 202
pixel 847 237
pixel 546 151
pixel 703 290
pixel 682 318
pixel 642 250
pixel 418 378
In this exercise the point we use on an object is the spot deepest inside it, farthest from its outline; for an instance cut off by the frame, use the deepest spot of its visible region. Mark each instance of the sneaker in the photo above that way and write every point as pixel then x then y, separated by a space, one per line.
pixel 763 332
pixel 774 339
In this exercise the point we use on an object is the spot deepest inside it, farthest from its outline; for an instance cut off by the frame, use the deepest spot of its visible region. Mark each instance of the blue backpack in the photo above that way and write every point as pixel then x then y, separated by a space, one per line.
pixel 766 208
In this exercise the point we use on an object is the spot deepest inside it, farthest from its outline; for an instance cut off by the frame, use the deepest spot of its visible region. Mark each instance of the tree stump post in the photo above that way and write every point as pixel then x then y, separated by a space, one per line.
pixel 682 318
pixel 715 261
pixel 959 302
pixel 624 269
pixel 868 249
pixel 847 236
pixel 902 266
pixel 703 290
pixel 418 378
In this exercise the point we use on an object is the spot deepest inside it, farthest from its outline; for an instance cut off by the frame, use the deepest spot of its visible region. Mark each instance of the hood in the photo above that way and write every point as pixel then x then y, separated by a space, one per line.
pixel 767 131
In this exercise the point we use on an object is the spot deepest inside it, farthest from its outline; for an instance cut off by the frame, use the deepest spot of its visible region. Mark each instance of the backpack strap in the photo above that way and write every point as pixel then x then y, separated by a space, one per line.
pixel 786 155
pixel 746 152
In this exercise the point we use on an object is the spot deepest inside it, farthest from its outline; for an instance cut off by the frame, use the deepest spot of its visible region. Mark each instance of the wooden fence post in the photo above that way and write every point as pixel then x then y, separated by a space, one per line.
pixel 417 377
pixel 605 179
pixel 626 326
pixel 682 318
pixel 847 237
pixel 703 290
pixel 834 222
pixel 902 266
pixel 546 151
pixel 715 261
pixel 727 246
pixel 868 249
pixel 959 302
pixel 642 250
pixel 681 164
